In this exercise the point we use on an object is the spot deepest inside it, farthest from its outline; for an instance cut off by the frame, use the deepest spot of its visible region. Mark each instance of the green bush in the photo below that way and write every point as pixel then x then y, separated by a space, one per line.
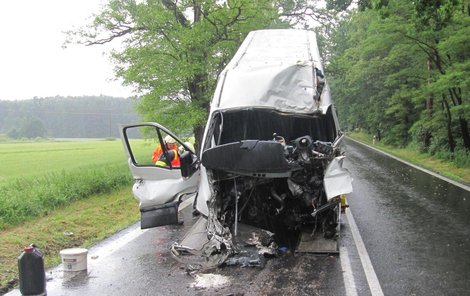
pixel 460 157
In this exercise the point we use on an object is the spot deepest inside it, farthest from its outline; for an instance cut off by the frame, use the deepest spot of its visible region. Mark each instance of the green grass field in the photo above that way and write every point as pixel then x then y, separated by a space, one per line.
pixel 36 178
pixel 49 188
pixel 36 158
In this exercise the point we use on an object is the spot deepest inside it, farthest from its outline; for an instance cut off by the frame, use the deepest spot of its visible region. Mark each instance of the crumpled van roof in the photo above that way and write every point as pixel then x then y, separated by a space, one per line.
pixel 273 69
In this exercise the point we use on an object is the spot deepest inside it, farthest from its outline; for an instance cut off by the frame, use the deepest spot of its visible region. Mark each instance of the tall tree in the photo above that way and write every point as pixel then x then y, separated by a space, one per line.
pixel 373 74
pixel 173 50
pixel 435 22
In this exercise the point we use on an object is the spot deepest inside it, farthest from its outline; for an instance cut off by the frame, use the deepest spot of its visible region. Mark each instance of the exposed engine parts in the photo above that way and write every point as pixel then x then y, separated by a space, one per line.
pixel 283 204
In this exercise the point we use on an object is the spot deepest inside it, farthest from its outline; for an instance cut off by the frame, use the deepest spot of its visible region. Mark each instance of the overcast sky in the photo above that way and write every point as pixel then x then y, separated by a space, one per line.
pixel 32 60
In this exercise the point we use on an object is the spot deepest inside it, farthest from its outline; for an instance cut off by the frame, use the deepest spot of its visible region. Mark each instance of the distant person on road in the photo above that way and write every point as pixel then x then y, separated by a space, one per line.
pixel 159 157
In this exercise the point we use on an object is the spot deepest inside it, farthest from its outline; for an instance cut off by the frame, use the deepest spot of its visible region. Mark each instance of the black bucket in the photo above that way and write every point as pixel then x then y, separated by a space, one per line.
pixel 32 276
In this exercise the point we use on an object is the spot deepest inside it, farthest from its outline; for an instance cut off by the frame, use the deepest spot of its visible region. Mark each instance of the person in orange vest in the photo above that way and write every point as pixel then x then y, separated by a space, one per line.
pixel 159 158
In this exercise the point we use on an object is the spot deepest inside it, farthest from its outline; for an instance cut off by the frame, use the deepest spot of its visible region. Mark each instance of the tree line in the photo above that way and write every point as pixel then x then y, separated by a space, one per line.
pixel 66 117
pixel 400 70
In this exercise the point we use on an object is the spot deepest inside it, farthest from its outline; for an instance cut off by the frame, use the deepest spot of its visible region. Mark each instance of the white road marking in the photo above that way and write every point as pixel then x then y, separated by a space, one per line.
pixel 108 249
pixel 186 203
pixel 371 277
pixel 348 277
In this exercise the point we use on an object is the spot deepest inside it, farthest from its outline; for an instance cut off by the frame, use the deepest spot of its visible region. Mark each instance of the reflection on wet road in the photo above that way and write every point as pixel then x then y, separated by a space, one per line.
pixel 414 228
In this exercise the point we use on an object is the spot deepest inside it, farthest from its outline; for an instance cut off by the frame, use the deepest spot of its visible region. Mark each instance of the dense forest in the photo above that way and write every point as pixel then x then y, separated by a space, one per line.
pixel 400 70
pixel 66 117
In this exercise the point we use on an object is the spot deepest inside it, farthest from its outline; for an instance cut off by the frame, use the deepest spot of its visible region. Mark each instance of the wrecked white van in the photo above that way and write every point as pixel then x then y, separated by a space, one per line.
pixel 270 159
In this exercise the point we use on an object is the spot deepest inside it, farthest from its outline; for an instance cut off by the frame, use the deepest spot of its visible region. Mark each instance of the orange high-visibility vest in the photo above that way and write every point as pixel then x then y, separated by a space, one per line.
pixel 175 162
pixel 157 153
pixel 175 159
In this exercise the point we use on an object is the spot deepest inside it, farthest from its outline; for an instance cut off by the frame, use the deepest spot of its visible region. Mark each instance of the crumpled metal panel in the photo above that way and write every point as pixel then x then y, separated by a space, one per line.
pixel 273 69
pixel 159 192
pixel 337 180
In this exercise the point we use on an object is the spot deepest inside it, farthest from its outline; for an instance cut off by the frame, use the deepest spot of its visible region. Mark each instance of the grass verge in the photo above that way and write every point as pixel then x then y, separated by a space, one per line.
pixel 90 220
pixel 451 171
pixel 25 198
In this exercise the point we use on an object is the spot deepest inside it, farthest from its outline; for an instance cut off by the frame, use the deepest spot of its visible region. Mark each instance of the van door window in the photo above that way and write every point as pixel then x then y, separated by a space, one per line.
pixel 151 146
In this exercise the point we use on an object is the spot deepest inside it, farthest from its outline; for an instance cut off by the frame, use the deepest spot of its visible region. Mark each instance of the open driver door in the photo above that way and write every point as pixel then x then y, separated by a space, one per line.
pixel 164 171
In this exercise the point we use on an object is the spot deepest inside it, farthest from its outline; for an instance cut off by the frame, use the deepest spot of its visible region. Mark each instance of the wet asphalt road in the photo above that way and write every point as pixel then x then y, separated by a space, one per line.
pixel 414 228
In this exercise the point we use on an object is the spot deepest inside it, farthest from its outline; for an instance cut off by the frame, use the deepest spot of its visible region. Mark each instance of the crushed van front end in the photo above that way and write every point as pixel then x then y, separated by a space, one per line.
pixel 267 169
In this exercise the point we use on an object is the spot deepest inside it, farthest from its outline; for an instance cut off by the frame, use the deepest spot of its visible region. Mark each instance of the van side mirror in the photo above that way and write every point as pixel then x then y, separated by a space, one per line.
pixel 188 163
